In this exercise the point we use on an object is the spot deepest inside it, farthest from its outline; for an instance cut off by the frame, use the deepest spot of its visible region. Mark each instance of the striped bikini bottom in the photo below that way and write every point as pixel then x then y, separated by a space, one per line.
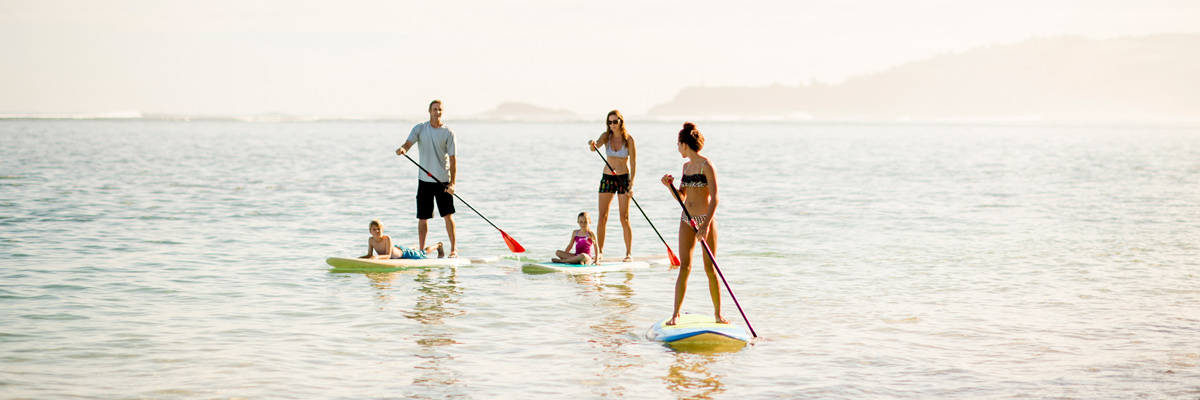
pixel 698 219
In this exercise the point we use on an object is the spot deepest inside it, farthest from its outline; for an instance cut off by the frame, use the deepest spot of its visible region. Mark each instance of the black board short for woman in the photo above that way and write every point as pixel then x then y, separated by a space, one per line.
pixel 427 192
pixel 618 184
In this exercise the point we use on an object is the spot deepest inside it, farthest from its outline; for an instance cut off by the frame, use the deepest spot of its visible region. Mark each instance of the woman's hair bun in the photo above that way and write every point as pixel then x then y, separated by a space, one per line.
pixel 691 136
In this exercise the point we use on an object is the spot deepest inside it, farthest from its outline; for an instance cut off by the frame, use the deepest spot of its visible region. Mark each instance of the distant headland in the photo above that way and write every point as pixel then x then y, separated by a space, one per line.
pixel 1151 77
pixel 1146 78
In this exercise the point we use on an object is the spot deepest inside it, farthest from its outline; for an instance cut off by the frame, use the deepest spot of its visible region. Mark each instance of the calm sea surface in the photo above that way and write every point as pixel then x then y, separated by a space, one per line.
pixel 186 260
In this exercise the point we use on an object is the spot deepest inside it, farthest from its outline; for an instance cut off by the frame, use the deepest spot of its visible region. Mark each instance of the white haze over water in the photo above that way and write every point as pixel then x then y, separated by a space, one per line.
pixel 158 259
pixel 384 58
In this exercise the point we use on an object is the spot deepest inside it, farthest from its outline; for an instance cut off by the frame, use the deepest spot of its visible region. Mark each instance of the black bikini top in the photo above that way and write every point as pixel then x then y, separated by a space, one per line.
pixel 694 180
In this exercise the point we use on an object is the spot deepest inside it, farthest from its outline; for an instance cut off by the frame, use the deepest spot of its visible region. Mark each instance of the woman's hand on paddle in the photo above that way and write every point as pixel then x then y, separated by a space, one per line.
pixel 668 181
pixel 592 145
pixel 702 230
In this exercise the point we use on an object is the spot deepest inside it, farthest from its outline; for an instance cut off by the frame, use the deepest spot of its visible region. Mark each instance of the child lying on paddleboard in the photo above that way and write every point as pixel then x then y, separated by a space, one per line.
pixel 381 246
pixel 584 241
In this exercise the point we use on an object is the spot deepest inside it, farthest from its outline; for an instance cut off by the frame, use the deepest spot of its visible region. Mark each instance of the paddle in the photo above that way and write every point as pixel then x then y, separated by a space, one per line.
pixel 670 254
pixel 714 261
pixel 508 240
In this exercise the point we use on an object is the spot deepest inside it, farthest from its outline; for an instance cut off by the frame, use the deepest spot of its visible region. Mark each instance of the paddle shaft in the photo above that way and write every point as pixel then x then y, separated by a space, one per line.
pixel 708 251
pixel 455 194
pixel 635 202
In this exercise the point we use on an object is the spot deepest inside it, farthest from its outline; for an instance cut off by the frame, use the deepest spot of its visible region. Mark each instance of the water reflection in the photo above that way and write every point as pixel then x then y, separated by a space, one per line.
pixel 612 335
pixel 382 282
pixel 438 301
pixel 690 378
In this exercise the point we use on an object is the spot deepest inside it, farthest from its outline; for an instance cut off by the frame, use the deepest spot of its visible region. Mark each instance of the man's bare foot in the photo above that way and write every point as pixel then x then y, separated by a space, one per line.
pixel 441 253
pixel 628 258
pixel 674 320
pixel 722 320
pixel 453 253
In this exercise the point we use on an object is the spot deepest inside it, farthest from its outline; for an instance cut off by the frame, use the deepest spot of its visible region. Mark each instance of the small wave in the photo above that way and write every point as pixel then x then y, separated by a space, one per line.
pixel 54 317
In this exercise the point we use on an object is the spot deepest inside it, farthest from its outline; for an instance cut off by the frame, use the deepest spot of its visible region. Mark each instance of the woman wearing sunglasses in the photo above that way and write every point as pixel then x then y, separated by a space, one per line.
pixel 622 156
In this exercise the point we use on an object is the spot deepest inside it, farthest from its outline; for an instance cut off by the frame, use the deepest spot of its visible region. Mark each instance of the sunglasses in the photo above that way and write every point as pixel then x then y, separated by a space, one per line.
pixel 614 122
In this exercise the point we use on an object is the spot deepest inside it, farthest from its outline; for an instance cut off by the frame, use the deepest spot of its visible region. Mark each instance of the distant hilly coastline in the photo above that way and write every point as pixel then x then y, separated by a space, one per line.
pixel 515 111
pixel 1147 78
pixel 1152 77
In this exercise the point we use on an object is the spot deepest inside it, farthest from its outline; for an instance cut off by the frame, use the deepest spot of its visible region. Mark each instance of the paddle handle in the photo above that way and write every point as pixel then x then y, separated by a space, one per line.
pixel 435 179
pixel 639 206
pixel 708 251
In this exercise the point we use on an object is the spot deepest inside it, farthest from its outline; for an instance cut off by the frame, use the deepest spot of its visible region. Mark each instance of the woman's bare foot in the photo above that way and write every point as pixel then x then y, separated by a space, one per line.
pixel 674 320
pixel 453 253
pixel 599 256
pixel 722 320
pixel 628 258
pixel 441 253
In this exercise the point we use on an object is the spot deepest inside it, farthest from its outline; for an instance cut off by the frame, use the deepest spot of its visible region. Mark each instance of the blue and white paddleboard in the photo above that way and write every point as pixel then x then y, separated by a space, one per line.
pixel 362 264
pixel 699 331
pixel 604 266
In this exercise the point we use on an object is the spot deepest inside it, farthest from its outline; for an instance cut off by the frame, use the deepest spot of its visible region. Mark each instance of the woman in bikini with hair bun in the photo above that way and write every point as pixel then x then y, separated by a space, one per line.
pixel 622 156
pixel 698 190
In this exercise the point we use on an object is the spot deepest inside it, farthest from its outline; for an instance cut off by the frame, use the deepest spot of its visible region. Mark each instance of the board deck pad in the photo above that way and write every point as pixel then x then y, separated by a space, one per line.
pixel 604 266
pixel 339 263
pixel 700 332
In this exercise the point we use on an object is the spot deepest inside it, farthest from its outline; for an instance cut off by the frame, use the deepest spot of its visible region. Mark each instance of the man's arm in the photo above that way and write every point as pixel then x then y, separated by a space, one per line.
pixel 453 174
pixel 404 149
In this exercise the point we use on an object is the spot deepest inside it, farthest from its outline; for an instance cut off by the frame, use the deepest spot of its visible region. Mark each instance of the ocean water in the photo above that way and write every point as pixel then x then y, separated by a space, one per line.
pixel 144 259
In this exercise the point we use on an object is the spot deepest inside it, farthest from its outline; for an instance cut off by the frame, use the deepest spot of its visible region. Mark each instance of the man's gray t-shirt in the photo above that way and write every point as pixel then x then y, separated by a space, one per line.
pixel 436 145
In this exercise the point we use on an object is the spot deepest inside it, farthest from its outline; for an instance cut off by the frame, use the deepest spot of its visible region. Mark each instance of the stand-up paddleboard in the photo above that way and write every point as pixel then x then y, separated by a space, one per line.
pixel 655 259
pixel 604 266
pixel 362 264
pixel 699 332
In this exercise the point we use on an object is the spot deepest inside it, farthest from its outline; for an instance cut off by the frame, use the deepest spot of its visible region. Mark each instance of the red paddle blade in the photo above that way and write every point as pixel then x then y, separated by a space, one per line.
pixel 674 260
pixel 512 243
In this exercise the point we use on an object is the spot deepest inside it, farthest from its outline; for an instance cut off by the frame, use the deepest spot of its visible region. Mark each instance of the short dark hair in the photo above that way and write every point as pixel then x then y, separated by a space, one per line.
pixel 434 102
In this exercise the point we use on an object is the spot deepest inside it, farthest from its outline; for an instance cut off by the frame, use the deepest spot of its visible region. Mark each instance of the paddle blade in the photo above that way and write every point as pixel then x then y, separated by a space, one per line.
pixel 674 260
pixel 512 243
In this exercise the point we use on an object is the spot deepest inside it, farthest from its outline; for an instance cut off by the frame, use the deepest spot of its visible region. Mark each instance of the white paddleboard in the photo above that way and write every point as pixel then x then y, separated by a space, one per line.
pixel 604 266
pixel 661 259
pixel 396 263
pixel 699 332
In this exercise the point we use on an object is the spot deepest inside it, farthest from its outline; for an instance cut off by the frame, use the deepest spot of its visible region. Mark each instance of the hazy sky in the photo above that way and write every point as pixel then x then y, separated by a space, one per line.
pixel 389 58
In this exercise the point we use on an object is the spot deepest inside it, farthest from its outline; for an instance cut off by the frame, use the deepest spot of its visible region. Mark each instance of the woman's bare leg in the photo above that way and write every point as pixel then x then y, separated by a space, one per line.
pixel 714 284
pixel 602 222
pixel 687 242
pixel 627 230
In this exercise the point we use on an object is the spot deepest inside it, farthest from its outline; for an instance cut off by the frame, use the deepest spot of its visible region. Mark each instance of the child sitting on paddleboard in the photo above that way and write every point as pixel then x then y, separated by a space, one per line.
pixel 379 247
pixel 584 241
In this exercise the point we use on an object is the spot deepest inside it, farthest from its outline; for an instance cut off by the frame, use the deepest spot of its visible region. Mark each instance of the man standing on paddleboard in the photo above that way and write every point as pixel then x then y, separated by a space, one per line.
pixel 436 145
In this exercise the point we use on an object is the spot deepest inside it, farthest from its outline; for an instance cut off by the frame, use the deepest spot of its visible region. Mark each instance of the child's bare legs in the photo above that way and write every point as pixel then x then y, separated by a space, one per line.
pixel 438 247
pixel 568 258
